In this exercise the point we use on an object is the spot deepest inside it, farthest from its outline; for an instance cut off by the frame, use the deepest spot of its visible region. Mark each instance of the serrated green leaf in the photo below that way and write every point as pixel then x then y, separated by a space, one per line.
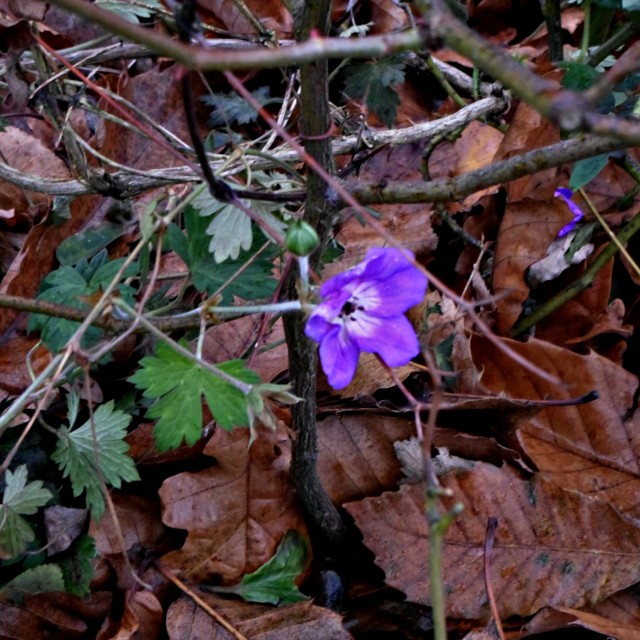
pixel 376 81
pixel 77 566
pixel 254 283
pixel 42 579
pixel 578 76
pixel 73 286
pixel 131 11
pixel 76 457
pixel 178 385
pixel 274 581
pixel 20 498
pixel 230 108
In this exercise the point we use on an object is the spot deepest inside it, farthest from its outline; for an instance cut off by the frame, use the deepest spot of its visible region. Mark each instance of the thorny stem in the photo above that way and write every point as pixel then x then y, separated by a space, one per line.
pixel 581 283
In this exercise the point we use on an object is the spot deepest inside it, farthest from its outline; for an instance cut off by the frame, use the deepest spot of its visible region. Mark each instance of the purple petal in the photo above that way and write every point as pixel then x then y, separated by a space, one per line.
pixel 317 327
pixel 392 338
pixel 578 214
pixel 339 357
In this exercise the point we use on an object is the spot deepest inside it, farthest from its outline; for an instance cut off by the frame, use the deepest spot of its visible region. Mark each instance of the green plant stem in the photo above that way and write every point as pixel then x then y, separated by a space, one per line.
pixel 581 282
pixel 248 59
pixel 27 396
pixel 616 40
pixel 444 83
pixel 438 525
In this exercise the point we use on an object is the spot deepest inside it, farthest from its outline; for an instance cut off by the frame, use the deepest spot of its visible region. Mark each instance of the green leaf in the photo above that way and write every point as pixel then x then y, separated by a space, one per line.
pixel 274 582
pixel 230 229
pixel 20 498
pixel 178 383
pixel 42 579
pixel 77 566
pixel 76 457
pixel 230 108
pixel 73 287
pixel 584 171
pixel 376 81
pixel 578 76
pixel 87 243
pixel 254 283
pixel 125 9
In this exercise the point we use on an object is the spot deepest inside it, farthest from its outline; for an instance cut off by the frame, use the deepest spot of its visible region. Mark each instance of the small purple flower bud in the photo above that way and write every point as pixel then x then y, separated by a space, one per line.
pixel 578 214
pixel 363 310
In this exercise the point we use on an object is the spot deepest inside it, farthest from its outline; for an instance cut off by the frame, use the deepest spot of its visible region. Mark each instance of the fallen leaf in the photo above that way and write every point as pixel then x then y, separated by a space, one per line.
pixel 552 547
pixel 187 621
pixel 356 457
pixel 592 448
pixel 235 512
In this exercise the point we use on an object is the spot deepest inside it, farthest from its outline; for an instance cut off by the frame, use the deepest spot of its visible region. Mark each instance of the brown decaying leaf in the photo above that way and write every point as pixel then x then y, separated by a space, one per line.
pixel 63 526
pixel 591 448
pixel 236 338
pixel 586 316
pixel 27 154
pixel 475 148
pixel 552 547
pixel 61 615
pixel 356 456
pixel 528 228
pixel 187 621
pixel 225 13
pixel 139 519
pixel 553 618
pixel 143 617
pixel 237 511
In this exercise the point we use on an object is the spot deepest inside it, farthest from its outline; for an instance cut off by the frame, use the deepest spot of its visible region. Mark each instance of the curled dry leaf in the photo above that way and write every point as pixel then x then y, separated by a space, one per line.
pixel 553 618
pixel 552 547
pixel 237 511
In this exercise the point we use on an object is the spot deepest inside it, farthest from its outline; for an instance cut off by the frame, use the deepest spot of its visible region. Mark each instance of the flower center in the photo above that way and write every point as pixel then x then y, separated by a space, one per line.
pixel 350 307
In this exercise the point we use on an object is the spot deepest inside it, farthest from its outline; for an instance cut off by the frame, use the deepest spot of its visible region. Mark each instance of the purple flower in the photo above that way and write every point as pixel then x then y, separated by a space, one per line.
pixel 363 310
pixel 566 194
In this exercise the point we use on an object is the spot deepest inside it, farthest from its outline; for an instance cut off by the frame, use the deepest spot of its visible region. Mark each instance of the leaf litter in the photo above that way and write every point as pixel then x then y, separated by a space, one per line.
pixel 563 480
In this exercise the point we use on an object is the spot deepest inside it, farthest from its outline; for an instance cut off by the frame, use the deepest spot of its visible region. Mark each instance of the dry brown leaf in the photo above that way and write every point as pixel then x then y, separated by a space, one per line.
pixel 237 511
pixel 139 520
pixel 66 616
pixel 356 457
pixel 272 14
pixel 142 618
pixel 475 148
pixel 187 621
pixel 588 315
pixel 591 448
pixel 527 230
pixel 28 155
pixel 621 607
pixel 553 618
pixel 234 339
pixel 552 547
